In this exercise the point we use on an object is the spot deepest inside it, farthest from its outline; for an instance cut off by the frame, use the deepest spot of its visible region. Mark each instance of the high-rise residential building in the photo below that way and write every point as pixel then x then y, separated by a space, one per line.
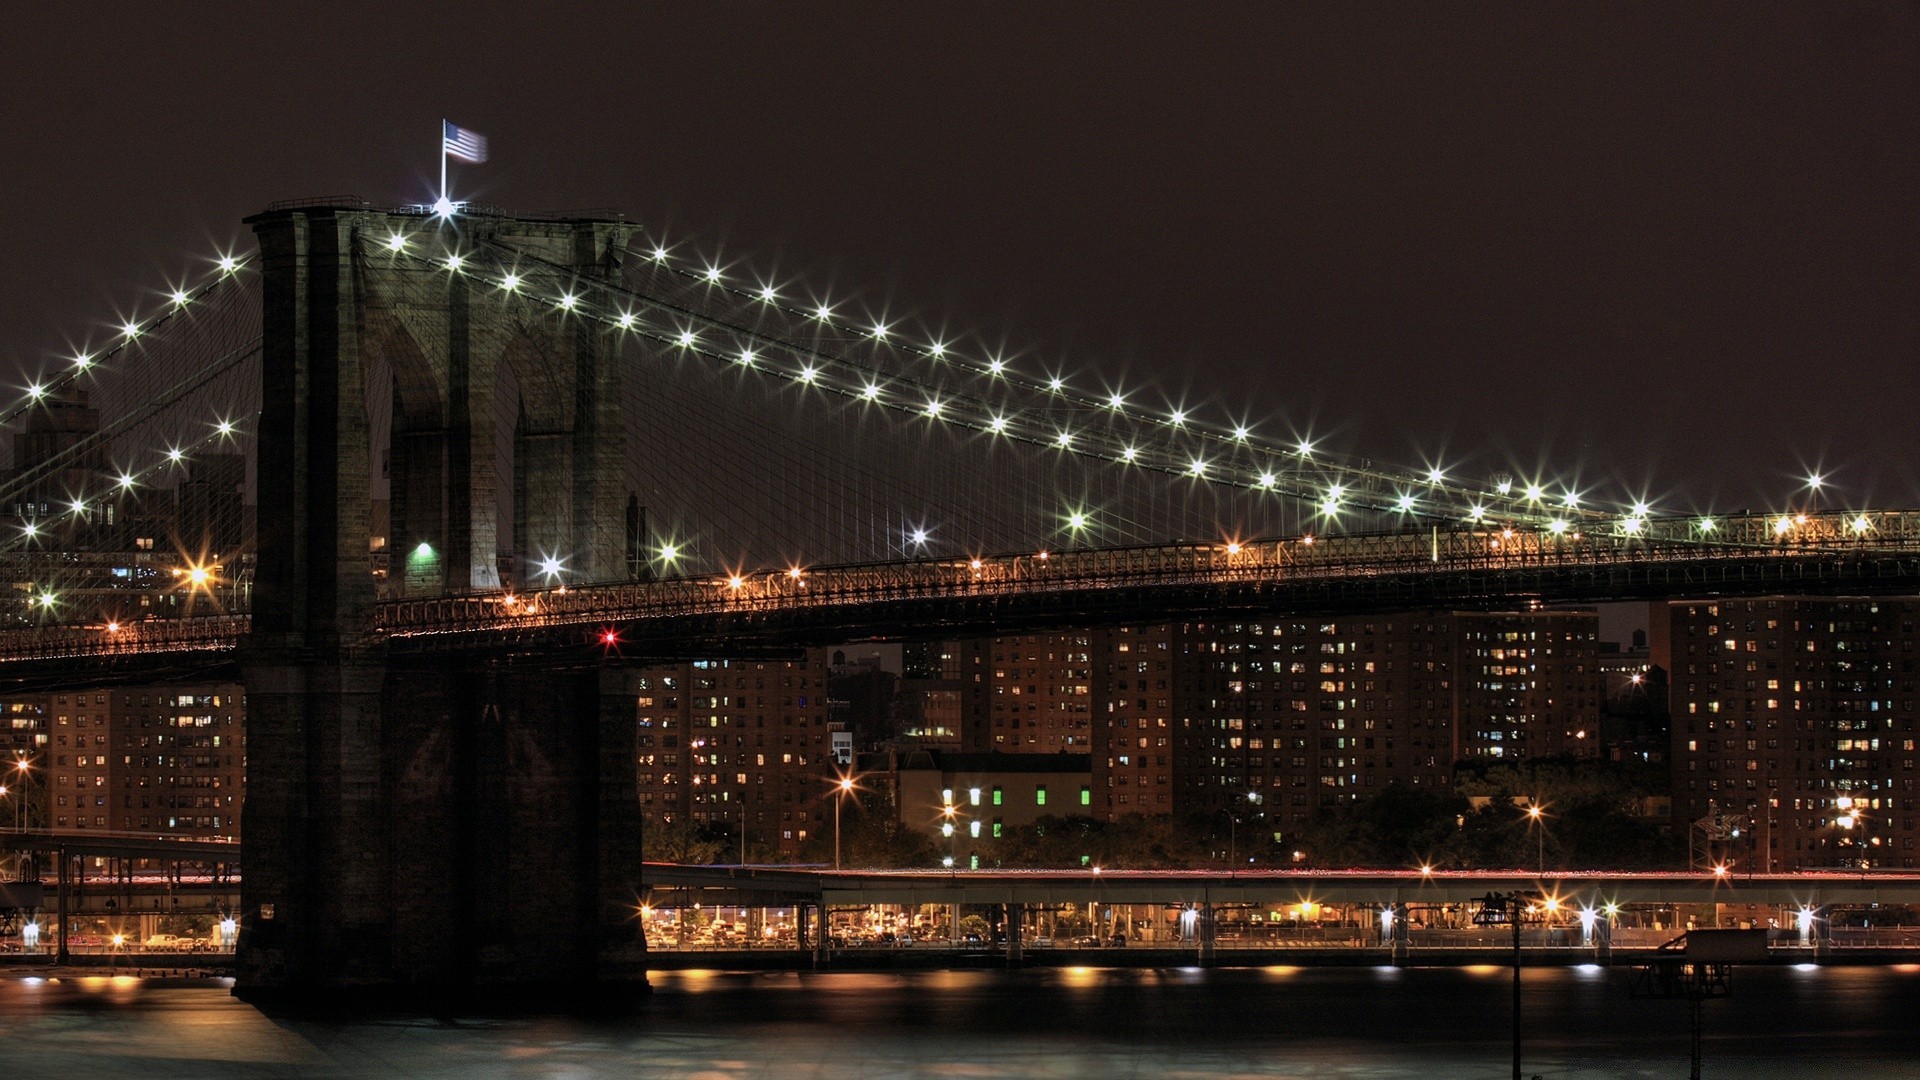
pixel 1297 713
pixel 1529 682
pixel 860 699
pixel 933 703
pixel 24 740
pixel 726 742
pixel 1133 734
pixel 1038 692
pixel 1292 715
pixel 1793 729
pixel 155 760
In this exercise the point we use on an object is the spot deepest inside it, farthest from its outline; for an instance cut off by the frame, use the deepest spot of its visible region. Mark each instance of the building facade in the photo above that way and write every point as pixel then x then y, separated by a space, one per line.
pixel 153 760
pixel 727 742
pixel 1793 729
pixel 967 802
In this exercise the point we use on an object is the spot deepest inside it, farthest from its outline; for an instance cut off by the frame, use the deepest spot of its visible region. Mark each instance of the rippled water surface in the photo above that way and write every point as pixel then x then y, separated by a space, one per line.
pixel 1064 1022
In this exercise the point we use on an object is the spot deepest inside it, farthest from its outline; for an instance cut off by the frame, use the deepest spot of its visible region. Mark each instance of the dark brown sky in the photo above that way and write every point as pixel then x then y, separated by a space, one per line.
pixel 1670 251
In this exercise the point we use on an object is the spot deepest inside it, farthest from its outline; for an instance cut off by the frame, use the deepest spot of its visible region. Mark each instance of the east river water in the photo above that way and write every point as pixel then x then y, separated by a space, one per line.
pixel 1429 1024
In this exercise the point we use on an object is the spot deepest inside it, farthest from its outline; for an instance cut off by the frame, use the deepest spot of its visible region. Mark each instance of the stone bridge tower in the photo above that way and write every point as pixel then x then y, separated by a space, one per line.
pixel 444 826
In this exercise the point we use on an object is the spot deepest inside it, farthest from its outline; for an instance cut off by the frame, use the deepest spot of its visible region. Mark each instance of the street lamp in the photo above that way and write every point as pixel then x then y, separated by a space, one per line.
pixel 841 790
pixel 1535 814
pixel 23 766
pixel 1509 909
pixel 1233 829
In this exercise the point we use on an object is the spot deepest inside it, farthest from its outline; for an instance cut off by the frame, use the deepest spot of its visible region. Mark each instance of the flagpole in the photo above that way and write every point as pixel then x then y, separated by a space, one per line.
pixel 443 158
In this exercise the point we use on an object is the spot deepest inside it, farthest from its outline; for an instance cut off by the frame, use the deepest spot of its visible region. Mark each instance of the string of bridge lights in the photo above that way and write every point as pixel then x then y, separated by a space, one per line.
pixel 226 267
pixel 867 384
pixel 88 361
pixel 1560 513
pixel 876 386
pixel 817 369
pixel 80 508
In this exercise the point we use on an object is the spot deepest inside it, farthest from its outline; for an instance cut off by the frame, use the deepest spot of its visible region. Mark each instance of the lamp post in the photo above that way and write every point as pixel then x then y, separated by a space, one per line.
pixel 23 771
pixel 1495 909
pixel 1535 816
pixel 1233 829
pixel 841 789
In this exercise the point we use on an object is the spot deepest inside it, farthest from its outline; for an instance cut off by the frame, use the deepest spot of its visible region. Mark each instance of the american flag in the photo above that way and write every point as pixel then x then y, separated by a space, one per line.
pixel 458 142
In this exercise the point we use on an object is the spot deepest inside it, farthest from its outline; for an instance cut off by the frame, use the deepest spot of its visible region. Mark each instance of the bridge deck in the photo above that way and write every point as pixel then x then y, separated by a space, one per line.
pixel 1819 554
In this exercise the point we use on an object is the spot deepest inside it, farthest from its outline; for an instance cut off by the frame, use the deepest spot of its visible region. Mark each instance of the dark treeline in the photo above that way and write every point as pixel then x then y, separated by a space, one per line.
pixel 1594 815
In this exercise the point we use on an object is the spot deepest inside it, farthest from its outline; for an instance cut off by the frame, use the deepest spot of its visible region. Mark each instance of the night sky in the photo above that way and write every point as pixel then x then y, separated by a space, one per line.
pixel 1649 251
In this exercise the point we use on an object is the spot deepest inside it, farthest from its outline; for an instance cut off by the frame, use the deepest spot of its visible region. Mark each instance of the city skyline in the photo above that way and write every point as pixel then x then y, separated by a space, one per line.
pixel 500 506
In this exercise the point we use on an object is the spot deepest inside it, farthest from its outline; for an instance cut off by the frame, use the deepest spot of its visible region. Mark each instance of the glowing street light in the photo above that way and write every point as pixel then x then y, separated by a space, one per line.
pixel 841 790
pixel 1536 815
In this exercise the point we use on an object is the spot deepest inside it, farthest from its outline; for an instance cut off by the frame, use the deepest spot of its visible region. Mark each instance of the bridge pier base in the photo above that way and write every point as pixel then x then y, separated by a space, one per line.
pixel 465 833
